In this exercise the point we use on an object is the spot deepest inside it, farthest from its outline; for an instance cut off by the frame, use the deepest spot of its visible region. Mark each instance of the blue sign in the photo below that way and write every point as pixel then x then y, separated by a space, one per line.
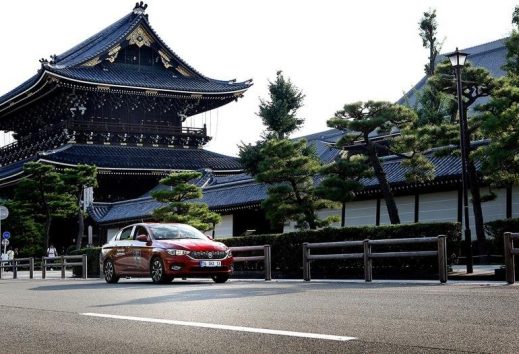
pixel 6 235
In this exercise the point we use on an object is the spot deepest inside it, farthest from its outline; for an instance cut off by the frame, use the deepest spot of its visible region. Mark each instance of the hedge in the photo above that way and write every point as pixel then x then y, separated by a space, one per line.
pixel 287 250
pixel 495 230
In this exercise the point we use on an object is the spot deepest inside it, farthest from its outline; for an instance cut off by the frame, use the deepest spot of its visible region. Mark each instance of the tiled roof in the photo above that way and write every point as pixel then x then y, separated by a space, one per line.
pixel 138 157
pixel 242 190
pixel 20 89
pixel 227 192
pixel 12 169
pixel 490 56
pixel 128 210
pixel 69 65
pixel 156 79
pixel 98 43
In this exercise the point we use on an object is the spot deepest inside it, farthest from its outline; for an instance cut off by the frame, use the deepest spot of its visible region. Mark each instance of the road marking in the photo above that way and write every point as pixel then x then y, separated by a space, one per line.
pixel 225 327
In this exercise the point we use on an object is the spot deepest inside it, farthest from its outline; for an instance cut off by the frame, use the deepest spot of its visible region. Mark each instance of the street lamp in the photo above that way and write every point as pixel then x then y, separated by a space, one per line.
pixel 458 61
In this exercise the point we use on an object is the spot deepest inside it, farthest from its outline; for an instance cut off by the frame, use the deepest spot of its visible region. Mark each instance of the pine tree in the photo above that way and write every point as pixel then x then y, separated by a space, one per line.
pixel 428 31
pixel 358 120
pixel 181 207
pixel 75 180
pixel 279 114
pixel 41 193
pixel 287 166
pixel 290 167
pixel 27 232
pixel 477 83
pixel 341 180
pixel 499 119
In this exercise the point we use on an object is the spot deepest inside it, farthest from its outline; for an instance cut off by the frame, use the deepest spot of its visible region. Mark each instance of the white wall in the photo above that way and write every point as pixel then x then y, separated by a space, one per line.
pixel 362 212
pixel 439 207
pixel 323 214
pixel 515 201
pixel 224 228
pixel 290 226
pixel 434 207
pixel 405 205
pixel 495 209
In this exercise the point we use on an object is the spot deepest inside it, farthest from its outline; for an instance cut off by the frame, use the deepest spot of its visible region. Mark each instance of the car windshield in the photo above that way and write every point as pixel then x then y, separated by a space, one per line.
pixel 175 232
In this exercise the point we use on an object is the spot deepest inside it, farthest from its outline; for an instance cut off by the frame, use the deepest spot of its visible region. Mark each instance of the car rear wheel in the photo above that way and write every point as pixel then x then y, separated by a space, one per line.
pixel 109 270
pixel 220 278
pixel 157 271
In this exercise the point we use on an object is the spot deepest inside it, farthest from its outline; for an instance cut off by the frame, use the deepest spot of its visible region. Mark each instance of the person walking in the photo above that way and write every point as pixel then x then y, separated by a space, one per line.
pixel 52 252
pixel 10 255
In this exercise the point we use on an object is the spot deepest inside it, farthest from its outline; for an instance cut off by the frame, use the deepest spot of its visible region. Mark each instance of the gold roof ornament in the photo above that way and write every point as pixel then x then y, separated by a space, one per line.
pixel 140 37
pixel 112 54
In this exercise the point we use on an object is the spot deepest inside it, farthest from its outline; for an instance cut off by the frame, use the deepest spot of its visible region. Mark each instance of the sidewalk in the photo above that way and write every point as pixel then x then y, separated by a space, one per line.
pixel 24 274
pixel 481 272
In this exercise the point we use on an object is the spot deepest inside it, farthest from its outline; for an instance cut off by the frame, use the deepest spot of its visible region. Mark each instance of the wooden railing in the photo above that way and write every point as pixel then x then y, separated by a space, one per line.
pixel 127 128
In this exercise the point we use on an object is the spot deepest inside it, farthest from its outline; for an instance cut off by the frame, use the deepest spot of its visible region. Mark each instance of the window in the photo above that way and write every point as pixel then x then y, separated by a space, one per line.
pixel 140 230
pixel 126 234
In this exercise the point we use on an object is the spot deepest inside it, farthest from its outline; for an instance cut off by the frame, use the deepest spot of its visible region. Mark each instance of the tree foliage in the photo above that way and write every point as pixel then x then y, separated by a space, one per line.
pixel 341 179
pixel 75 180
pixel 27 232
pixel 181 207
pixel 428 31
pixel 279 113
pixel 358 120
pixel 499 119
pixel 42 193
pixel 290 167
pixel 512 45
pixel 287 166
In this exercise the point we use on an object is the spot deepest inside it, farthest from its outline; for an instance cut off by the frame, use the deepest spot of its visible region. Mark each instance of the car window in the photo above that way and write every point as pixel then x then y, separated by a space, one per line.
pixel 140 230
pixel 126 234
pixel 178 231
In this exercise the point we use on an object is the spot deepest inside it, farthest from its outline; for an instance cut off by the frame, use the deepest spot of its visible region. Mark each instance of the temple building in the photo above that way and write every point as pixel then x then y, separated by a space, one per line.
pixel 118 100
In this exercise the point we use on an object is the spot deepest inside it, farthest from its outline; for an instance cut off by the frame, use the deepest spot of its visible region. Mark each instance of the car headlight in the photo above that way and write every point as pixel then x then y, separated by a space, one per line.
pixel 174 252
pixel 229 252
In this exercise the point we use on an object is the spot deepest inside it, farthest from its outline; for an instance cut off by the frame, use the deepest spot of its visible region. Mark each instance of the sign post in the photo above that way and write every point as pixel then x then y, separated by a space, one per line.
pixel 4 213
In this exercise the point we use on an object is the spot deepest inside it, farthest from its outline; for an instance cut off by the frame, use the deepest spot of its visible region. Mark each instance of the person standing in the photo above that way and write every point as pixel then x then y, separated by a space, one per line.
pixel 52 252
pixel 10 255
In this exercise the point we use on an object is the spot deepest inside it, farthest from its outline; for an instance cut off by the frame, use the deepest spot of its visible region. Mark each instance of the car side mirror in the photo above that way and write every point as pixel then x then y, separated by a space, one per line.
pixel 210 237
pixel 143 238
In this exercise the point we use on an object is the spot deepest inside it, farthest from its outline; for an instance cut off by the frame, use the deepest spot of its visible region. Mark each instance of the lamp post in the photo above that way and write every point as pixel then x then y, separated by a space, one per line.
pixel 457 60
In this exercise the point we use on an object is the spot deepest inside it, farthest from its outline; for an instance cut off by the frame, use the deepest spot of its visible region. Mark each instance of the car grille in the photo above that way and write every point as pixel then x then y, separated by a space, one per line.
pixel 208 254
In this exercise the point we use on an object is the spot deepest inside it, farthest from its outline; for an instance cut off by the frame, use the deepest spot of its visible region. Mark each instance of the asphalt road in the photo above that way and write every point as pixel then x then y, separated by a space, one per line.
pixel 136 316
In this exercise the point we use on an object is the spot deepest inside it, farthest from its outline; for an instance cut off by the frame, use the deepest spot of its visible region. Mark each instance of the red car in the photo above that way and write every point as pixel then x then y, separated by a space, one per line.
pixel 163 252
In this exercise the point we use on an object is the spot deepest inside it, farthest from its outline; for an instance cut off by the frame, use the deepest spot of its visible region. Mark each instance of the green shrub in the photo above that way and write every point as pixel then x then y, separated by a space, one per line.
pixel 495 230
pixel 92 261
pixel 287 249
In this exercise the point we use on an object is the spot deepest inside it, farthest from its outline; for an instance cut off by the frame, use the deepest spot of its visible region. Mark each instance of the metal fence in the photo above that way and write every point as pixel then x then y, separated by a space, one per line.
pixel 266 258
pixel 367 255
pixel 16 263
pixel 510 252
pixel 62 262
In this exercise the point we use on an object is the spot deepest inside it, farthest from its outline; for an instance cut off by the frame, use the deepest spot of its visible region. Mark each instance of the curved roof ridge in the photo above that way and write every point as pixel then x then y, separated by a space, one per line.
pixel 485 47
pixel 90 42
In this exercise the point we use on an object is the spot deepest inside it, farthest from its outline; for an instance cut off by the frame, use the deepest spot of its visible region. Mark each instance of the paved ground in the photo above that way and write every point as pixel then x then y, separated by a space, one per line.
pixel 75 315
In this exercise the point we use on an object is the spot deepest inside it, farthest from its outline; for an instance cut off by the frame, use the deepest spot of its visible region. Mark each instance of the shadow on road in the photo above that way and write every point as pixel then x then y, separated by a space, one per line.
pixel 207 293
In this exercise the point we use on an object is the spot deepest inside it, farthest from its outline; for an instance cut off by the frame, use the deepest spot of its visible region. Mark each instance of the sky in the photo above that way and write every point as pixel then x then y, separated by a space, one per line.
pixel 336 52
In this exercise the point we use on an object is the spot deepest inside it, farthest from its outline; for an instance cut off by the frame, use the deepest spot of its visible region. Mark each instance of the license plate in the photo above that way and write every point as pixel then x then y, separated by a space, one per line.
pixel 210 263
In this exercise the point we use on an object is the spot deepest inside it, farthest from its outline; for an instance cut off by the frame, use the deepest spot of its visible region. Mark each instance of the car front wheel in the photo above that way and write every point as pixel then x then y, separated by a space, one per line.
pixel 109 271
pixel 157 271
pixel 220 278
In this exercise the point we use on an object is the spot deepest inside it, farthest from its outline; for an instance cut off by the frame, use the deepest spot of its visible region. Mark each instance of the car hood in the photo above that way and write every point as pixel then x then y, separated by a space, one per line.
pixel 191 245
